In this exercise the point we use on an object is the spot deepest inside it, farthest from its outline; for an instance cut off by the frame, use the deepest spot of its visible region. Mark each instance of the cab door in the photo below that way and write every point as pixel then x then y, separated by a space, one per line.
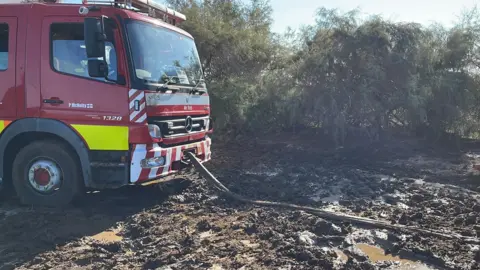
pixel 8 41
pixel 96 108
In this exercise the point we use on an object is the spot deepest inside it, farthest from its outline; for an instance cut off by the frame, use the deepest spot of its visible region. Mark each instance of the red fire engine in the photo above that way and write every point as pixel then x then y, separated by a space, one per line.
pixel 96 95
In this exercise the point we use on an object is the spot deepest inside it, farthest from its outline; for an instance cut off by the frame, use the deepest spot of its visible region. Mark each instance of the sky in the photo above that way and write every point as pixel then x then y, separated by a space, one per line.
pixel 294 13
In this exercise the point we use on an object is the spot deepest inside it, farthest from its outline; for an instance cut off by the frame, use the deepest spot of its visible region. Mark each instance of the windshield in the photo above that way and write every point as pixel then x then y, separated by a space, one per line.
pixel 161 55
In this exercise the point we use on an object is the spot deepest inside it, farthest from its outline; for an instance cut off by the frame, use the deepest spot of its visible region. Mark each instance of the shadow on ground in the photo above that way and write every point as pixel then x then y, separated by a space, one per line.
pixel 28 231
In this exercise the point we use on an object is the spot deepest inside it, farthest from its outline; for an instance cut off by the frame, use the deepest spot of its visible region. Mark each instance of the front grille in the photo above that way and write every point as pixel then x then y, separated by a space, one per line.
pixel 175 126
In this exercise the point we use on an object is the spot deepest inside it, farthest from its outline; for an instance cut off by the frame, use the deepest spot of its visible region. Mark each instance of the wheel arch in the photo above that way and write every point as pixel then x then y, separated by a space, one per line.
pixel 20 132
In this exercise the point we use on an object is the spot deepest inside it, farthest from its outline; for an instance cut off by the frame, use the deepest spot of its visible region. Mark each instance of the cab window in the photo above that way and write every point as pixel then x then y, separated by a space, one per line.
pixel 69 55
pixel 3 46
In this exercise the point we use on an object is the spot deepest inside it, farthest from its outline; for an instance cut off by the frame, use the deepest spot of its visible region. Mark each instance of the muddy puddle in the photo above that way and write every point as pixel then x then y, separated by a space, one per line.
pixel 107 237
pixel 376 254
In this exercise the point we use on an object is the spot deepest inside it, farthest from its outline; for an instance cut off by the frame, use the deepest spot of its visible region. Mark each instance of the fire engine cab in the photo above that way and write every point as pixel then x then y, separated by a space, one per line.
pixel 96 95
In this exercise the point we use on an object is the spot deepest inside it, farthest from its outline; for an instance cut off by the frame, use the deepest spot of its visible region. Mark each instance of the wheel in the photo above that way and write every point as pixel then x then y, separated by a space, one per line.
pixel 46 173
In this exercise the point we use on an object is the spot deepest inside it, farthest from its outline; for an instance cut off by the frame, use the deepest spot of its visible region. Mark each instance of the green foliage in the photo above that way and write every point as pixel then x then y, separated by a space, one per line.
pixel 342 76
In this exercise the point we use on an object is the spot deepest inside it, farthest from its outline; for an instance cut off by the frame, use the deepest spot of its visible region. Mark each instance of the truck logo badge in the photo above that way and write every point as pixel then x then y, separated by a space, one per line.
pixel 136 105
pixel 188 124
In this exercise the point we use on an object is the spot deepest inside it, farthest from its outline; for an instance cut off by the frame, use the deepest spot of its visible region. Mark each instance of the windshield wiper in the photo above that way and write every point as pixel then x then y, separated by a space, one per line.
pixel 195 88
pixel 164 86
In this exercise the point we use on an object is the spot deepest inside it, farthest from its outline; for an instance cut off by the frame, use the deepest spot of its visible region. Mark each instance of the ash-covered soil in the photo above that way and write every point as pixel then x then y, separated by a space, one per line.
pixel 183 224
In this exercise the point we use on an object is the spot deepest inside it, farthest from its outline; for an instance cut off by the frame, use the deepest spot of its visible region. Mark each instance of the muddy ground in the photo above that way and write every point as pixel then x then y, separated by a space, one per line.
pixel 184 225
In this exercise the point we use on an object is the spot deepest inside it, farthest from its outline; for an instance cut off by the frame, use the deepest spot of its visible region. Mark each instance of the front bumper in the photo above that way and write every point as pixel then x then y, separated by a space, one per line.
pixel 172 156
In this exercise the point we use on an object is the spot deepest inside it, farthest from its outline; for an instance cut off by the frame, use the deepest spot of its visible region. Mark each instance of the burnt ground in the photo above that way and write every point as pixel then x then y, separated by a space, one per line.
pixel 182 224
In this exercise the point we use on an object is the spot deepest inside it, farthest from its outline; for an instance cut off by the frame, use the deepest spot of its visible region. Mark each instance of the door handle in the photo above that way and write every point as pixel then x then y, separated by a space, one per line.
pixel 53 101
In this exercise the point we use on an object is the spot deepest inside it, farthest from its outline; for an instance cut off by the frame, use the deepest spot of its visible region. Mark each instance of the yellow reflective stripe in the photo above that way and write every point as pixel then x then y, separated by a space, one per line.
pixel 4 124
pixel 100 137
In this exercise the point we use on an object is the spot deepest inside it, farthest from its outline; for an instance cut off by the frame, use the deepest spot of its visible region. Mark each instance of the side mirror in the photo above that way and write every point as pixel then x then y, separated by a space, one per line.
pixel 97 68
pixel 94 37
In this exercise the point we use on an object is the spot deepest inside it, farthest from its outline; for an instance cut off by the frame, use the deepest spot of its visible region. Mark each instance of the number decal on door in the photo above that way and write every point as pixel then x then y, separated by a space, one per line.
pixel 112 118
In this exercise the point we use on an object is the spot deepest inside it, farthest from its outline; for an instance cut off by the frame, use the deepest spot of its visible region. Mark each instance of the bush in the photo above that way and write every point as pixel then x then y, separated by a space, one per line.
pixel 343 76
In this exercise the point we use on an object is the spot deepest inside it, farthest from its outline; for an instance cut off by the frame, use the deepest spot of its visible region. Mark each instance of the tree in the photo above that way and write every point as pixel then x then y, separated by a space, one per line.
pixel 343 76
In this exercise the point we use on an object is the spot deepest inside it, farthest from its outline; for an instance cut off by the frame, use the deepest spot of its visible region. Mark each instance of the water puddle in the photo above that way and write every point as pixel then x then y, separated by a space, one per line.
pixel 376 254
pixel 10 212
pixel 341 256
pixel 107 236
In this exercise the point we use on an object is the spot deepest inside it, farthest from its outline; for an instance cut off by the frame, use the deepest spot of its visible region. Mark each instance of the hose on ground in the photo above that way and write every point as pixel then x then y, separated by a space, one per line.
pixel 212 180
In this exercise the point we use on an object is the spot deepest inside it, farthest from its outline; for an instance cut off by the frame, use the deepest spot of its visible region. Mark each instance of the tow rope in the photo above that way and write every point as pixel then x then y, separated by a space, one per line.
pixel 326 214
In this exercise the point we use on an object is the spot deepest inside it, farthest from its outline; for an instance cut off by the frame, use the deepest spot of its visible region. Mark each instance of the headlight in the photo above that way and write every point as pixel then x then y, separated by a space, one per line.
pixel 152 162
pixel 154 131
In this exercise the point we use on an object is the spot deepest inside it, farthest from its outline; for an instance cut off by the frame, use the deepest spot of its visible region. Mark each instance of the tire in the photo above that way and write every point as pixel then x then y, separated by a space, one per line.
pixel 65 167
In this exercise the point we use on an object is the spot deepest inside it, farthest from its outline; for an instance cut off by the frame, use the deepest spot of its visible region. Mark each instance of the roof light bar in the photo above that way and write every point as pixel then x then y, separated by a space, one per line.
pixel 156 7
pixel 149 7
pixel 27 1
